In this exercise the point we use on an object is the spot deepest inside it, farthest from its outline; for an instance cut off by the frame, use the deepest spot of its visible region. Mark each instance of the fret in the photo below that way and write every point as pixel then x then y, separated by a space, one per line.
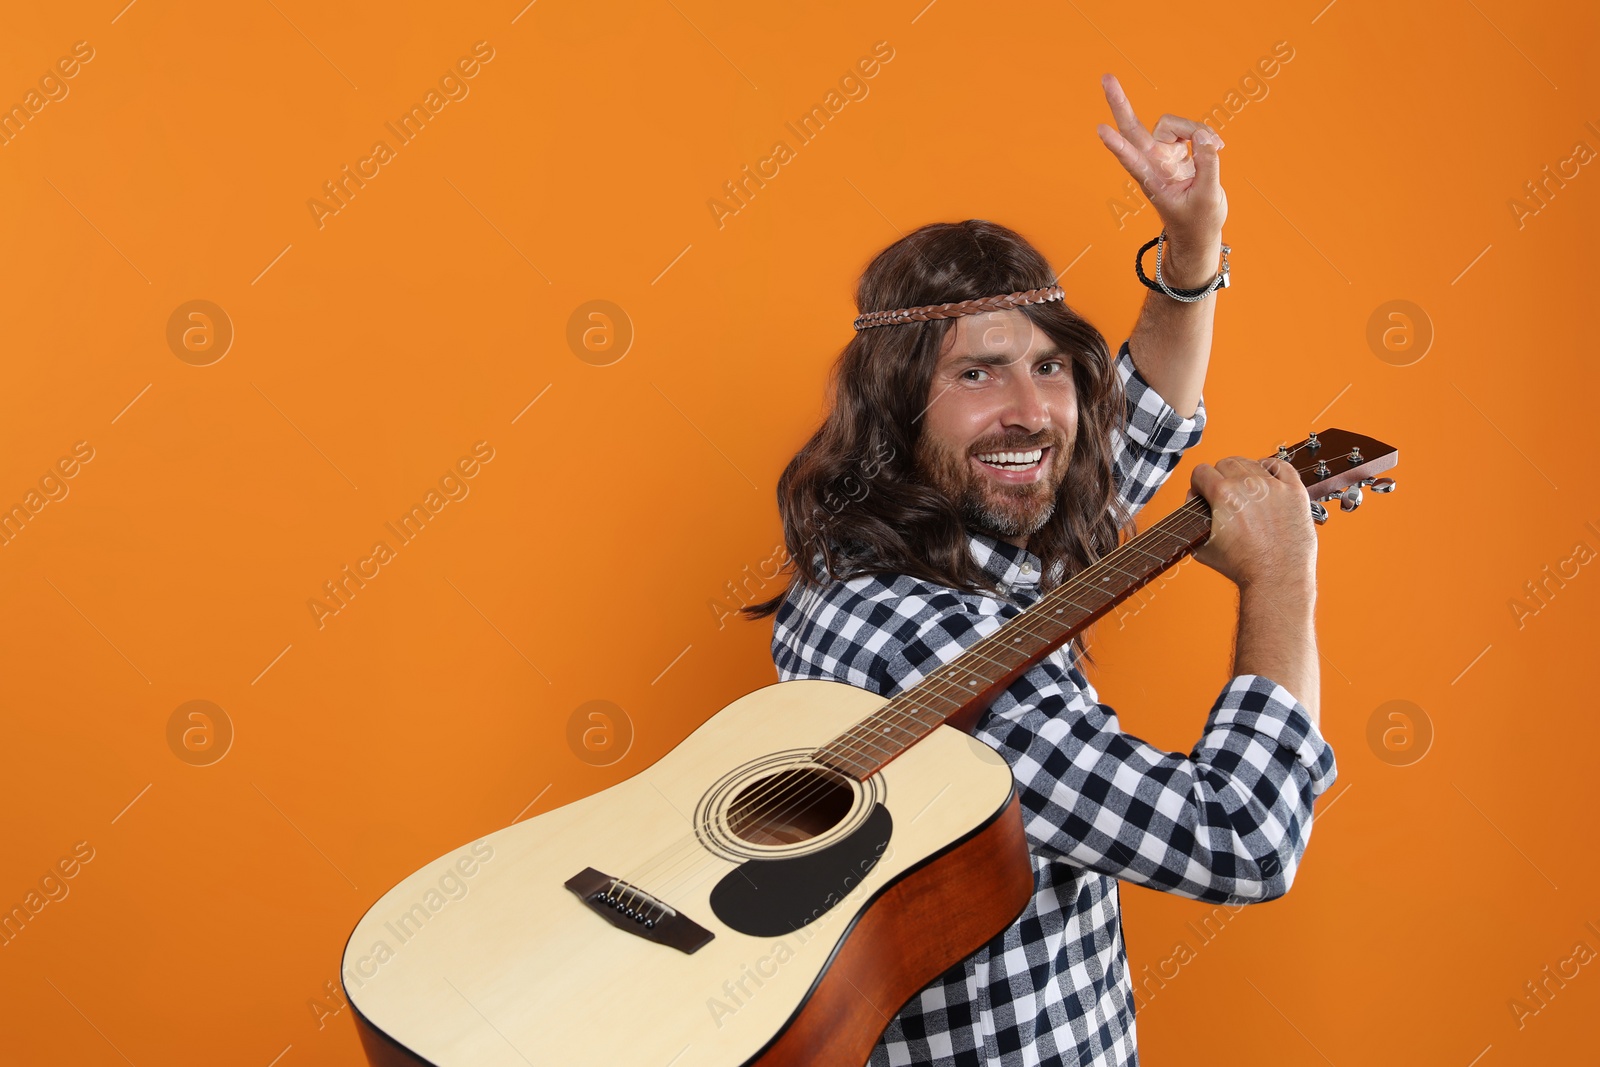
pixel 1151 555
pixel 978 650
pixel 930 693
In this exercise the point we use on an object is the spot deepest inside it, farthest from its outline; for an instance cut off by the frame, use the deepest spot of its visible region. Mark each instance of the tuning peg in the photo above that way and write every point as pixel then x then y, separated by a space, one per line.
pixel 1319 514
pixel 1379 485
pixel 1350 499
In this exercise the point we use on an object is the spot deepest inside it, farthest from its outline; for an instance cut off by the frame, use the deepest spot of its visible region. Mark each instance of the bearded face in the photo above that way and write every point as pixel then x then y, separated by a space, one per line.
pixel 1000 424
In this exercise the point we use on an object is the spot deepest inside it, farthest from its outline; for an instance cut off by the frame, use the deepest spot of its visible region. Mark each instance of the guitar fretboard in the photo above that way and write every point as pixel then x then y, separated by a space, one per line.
pixel 972 680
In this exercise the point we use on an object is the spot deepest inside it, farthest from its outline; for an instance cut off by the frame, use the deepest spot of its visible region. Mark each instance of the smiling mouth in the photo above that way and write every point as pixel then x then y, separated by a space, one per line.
pixel 1014 461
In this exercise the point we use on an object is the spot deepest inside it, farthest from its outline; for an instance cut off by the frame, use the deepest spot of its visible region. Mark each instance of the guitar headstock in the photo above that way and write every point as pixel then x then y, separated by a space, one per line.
pixel 1335 464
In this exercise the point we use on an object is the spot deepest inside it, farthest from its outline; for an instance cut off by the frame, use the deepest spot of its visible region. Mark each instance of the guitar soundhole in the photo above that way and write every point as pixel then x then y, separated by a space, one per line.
pixel 791 806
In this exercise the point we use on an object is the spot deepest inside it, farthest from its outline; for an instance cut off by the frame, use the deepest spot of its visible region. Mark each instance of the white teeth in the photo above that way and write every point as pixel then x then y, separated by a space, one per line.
pixel 1025 458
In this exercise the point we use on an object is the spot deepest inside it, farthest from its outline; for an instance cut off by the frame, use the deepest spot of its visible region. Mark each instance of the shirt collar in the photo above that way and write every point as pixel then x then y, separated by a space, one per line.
pixel 1015 567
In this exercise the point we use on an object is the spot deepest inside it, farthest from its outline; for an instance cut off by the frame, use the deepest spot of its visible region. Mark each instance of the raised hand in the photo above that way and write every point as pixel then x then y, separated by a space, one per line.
pixel 1187 192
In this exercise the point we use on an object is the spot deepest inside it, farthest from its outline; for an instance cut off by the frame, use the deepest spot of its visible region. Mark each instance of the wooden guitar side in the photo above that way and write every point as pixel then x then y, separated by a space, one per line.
pixel 920 927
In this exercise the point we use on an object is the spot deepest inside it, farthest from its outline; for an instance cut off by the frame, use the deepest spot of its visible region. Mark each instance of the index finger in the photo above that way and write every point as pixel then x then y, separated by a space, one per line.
pixel 1203 481
pixel 1122 111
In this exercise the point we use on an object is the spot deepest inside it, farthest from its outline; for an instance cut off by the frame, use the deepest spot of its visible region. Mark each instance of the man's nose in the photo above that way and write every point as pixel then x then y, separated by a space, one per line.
pixel 1027 406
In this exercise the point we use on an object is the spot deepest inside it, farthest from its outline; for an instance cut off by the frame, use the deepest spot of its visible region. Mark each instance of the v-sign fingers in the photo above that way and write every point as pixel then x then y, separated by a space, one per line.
pixel 1132 129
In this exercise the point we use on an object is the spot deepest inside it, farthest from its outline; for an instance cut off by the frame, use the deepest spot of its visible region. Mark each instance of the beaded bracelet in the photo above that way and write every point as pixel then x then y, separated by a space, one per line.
pixel 1221 281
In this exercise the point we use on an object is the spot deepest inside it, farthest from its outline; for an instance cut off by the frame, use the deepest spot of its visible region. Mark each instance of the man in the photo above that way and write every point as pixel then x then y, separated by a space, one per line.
pixel 971 460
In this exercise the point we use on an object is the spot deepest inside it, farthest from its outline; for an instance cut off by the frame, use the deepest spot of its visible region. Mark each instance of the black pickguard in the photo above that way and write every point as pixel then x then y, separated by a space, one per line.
pixel 768 898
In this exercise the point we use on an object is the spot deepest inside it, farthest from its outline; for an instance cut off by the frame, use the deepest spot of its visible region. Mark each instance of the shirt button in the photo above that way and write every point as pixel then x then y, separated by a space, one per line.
pixel 1027 568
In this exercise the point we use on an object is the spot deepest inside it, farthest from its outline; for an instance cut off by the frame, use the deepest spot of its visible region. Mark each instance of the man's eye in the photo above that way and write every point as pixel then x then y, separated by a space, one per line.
pixel 973 370
pixel 1052 363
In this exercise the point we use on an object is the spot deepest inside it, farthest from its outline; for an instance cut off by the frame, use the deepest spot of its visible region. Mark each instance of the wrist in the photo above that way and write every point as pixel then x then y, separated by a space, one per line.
pixel 1191 262
pixel 1286 591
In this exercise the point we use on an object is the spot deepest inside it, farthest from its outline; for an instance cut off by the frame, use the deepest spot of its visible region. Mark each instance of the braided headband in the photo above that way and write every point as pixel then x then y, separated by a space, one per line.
pixel 962 307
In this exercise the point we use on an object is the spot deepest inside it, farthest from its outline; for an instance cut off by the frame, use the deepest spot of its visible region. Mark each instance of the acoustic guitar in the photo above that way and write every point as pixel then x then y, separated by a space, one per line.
pixel 772 890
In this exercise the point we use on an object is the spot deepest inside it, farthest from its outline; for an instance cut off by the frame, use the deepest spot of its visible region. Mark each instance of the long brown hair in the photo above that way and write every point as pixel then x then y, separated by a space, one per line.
pixel 892 521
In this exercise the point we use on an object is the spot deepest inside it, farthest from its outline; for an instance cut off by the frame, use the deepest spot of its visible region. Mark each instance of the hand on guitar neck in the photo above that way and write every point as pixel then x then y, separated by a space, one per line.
pixel 1262 540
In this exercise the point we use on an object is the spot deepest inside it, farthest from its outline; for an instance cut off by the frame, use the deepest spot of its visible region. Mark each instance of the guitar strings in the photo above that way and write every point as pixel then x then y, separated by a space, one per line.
pixel 769 794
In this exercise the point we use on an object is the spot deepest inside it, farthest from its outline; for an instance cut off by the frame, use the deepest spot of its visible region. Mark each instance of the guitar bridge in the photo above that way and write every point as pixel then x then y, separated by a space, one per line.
pixel 627 907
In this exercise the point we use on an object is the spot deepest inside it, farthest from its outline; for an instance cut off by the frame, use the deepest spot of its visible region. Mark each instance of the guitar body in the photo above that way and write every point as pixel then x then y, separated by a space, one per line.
pixel 791 910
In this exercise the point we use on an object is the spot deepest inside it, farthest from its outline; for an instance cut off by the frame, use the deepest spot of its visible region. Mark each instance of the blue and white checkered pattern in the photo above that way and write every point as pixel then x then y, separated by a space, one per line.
pixel 1226 823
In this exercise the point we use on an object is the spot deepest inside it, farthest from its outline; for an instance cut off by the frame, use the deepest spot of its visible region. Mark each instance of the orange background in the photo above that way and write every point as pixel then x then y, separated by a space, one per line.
pixel 372 352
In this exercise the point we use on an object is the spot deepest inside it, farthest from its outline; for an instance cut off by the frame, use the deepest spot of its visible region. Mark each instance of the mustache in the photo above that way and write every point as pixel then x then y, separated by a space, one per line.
pixel 1017 446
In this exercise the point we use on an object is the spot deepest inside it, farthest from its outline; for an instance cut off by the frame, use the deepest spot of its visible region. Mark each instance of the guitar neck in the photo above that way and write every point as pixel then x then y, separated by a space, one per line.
pixel 1333 464
pixel 958 692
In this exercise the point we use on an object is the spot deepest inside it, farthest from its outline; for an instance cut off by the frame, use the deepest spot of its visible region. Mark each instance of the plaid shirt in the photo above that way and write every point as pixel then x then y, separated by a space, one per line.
pixel 1228 822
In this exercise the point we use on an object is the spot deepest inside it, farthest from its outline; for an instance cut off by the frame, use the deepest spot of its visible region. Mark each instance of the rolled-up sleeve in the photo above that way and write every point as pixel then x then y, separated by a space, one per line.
pixel 1152 438
pixel 1228 821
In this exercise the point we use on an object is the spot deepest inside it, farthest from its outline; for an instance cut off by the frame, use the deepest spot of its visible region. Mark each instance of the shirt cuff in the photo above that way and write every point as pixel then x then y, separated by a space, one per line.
pixel 1152 423
pixel 1256 723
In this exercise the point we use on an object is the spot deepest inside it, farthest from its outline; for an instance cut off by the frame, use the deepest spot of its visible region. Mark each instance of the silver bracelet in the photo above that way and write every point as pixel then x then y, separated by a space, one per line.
pixel 1219 282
